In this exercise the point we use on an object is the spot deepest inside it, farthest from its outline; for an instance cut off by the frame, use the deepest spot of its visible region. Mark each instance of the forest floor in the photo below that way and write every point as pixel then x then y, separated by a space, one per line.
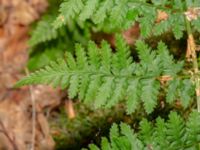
pixel 17 131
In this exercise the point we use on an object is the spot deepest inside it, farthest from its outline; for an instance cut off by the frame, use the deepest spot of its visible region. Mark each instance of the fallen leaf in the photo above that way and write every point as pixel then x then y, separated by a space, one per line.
pixel 192 13
pixel 161 15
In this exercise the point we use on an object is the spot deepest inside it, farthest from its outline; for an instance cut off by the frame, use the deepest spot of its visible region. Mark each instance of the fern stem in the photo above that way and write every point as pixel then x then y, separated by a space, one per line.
pixel 192 48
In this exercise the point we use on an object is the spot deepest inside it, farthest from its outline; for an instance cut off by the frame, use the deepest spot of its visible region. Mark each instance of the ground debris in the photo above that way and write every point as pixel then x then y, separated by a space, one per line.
pixel 15 104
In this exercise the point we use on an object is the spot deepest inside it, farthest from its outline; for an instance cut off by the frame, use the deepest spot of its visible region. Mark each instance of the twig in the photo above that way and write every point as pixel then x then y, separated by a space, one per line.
pixel 5 132
pixel 33 114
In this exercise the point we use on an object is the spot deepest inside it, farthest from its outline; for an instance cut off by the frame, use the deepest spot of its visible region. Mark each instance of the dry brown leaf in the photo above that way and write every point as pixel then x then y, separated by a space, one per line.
pixel 3 15
pixel 132 34
pixel 23 14
pixel 165 78
pixel 15 105
pixel 192 13
pixel 39 5
pixel 15 119
pixel 161 15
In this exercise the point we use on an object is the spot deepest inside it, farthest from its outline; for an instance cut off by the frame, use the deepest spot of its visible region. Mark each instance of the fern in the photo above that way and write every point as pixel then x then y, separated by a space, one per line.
pixel 43 32
pixel 68 10
pixel 173 134
pixel 180 89
pixel 106 78
pixel 117 15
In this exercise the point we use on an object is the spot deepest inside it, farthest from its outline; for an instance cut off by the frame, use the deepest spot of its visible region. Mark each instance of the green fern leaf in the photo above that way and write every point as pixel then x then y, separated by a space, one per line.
pixel 186 92
pixel 93 147
pixel 175 130
pixel 193 129
pixel 105 144
pixel 105 78
pixel 70 61
pixel 84 81
pixel 106 57
pixel 92 89
pixel 101 12
pixel 81 58
pixel 144 52
pixel 160 134
pixel 93 55
pixel 68 9
pixel 73 87
pixel 123 53
pixel 178 25
pixel 104 92
pixel 43 32
pixel 118 92
pixel 169 135
pixel 133 93
pixel 167 62
pixel 128 132
pixel 88 9
pixel 46 75
pixel 172 90
pixel 150 90
pixel 118 13
pixel 146 132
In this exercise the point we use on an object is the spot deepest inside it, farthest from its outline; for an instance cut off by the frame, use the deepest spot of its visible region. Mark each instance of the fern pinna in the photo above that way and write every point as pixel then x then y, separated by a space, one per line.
pixel 174 134
pixel 155 17
pixel 104 78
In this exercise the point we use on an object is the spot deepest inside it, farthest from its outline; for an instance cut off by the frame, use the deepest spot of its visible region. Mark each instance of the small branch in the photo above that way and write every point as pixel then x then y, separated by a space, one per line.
pixel 33 114
pixel 70 109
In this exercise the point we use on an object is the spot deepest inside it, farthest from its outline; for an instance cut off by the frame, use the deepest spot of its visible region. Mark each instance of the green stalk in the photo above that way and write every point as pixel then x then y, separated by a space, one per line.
pixel 194 62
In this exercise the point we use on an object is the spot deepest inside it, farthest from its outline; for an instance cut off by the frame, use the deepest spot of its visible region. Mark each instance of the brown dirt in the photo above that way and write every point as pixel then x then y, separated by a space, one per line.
pixel 15 104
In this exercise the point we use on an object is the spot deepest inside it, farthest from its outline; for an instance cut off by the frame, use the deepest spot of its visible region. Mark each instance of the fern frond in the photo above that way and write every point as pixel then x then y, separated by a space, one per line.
pixel 105 78
pixel 176 130
pixel 173 134
pixel 193 129
pixel 182 89
pixel 88 9
pixel 145 52
pixel 102 11
pixel 122 58
pixel 166 61
pixel 146 132
pixel 133 95
pixel 150 90
pixel 160 134
pixel 104 92
pixel 118 15
pixel 43 32
pixel 68 10
pixel 105 144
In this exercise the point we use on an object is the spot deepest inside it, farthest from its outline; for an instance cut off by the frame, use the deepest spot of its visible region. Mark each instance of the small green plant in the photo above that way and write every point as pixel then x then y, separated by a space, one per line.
pixel 174 134
pixel 104 76
pixel 116 15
